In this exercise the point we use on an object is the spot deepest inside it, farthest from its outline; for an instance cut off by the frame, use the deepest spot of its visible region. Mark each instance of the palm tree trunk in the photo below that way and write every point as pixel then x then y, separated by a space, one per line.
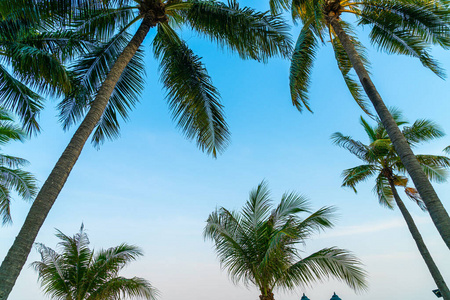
pixel 438 279
pixel 18 253
pixel 437 211
pixel 266 296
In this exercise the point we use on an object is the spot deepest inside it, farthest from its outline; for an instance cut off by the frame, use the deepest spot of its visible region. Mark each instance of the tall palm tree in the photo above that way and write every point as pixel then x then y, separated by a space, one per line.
pixel 258 245
pixel 112 75
pixel 12 176
pixel 77 272
pixel 381 160
pixel 406 27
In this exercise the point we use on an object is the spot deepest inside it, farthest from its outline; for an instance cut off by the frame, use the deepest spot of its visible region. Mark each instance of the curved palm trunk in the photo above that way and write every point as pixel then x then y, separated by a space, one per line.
pixel 18 253
pixel 438 279
pixel 437 211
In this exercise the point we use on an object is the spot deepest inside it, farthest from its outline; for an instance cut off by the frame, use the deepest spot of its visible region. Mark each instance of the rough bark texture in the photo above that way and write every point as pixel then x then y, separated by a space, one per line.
pixel 437 211
pixel 269 296
pixel 18 253
pixel 435 273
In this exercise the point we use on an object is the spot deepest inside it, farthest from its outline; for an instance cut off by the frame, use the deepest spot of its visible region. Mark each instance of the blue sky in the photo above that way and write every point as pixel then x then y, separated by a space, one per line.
pixel 155 189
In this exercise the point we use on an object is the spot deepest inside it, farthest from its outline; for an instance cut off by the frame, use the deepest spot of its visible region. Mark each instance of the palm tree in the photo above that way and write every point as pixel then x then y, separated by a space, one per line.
pixel 77 272
pixel 381 160
pixel 12 177
pixel 406 27
pixel 112 75
pixel 258 245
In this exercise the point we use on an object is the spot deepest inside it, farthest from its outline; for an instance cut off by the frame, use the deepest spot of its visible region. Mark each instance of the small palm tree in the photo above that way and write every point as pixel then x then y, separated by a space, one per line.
pixel 258 245
pixel 77 272
pixel 108 80
pixel 407 27
pixel 12 177
pixel 381 160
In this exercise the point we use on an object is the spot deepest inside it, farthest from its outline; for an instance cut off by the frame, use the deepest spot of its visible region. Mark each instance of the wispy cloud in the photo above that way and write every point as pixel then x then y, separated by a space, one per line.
pixel 373 227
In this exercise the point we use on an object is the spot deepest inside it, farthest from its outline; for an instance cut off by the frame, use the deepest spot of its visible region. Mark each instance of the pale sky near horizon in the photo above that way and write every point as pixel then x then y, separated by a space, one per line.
pixel 155 189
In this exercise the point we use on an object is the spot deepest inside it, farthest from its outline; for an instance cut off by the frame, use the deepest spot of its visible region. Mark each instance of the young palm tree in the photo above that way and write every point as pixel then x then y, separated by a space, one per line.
pixel 112 75
pixel 258 245
pixel 12 177
pixel 77 272
pixel 381 160
pixel 406 27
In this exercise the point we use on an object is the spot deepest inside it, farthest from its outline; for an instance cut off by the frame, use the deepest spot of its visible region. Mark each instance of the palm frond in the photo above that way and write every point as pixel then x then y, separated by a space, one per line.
pixel 384 192
pixel 323 264
pixel 391 38
pixel 422 131
pixel 301 67
pixel 251 34
pixel 20 99
pixel 193 100
pixel 355 147
pixel 358 174
pixel 353 86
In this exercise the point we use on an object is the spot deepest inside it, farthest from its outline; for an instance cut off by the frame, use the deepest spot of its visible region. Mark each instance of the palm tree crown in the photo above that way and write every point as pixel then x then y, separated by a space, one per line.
pixel 383 161
pixel 76 272
pixel 259 244
pixel 192 98
pixel 405 27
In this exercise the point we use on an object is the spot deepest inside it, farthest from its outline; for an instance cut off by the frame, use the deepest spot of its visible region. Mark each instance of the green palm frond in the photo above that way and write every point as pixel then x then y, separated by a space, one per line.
pixel 66 44
pixel 5 204
pixel 134 287
pixel 355 147
pixel 38 68
pixel 388 36
pixel 278 6
pixel 370 131
pixel 326 263
pixel 17 97
pixel 422 131
pixel 251 34
pixel 435 173
pixel 301 67
pixel 383 190
pixel 193 100
pixel 353 86
pixel 89 74
pixel 447 150
pixel 358 174
pixel 123 99
pixel 290 204
pixel 316 222
pixel 21 181
pixel 421 18
pixel 101 22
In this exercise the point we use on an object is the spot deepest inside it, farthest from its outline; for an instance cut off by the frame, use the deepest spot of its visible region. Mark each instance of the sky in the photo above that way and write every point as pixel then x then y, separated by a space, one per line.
pixel 153 188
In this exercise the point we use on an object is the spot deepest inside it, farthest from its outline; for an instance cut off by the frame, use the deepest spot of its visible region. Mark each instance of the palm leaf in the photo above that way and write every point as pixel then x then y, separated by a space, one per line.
pixel 193 100
pixel 323 264
pixel 358 174
pixel 251 34
pixel 18 98
pixel 301 67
